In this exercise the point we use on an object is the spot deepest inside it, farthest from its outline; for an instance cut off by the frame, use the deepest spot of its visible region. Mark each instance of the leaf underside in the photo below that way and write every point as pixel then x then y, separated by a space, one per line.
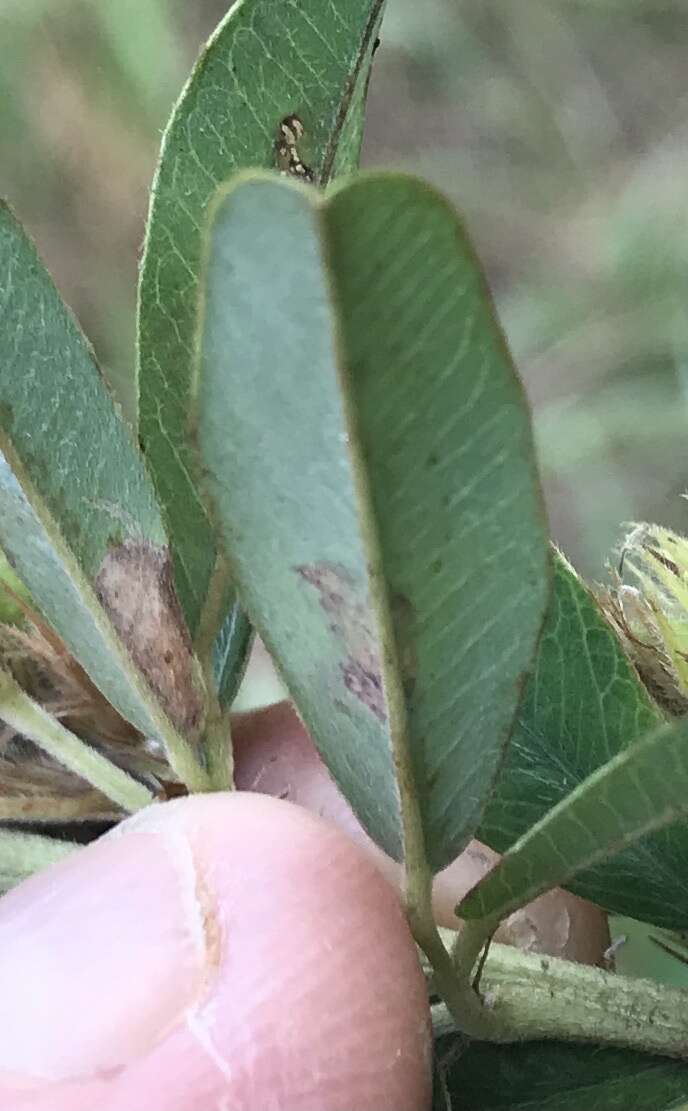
pixel 370 461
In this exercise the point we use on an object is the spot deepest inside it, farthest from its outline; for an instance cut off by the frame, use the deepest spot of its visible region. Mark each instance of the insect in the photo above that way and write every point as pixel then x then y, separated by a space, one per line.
pixel 289 133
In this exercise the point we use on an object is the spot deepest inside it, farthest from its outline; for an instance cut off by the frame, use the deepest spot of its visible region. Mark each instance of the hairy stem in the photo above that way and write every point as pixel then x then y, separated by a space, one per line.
pixel 218 745
pixel 463 1005
pixel 217 738
pixel 527 996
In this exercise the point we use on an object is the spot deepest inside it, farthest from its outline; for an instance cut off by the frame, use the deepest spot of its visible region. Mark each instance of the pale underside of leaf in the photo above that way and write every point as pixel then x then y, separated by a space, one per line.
pixel 370 461
pixel 283 487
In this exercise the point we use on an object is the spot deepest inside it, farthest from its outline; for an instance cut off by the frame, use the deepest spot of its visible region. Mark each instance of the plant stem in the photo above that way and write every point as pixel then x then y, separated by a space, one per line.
pixel 468 1012
pixel 469 943
pixel 218 746
pixel 213 611
pixel 32 721
pixel 217 738
pixel 183 761
pixel 22 854
pixel 529 996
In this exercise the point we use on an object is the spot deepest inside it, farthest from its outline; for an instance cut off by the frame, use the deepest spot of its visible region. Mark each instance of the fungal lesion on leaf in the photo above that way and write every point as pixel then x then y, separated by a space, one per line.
pixel 135 586
pixel 366 685
pixel 351 620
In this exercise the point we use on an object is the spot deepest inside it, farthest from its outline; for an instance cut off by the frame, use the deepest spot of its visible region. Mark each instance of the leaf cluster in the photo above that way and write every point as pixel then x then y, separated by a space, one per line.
pixel 336 451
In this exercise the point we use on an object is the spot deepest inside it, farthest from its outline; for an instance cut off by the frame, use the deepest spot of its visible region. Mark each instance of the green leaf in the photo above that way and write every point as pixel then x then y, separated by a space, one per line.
pixel 644 951
pixel 555 1076
pixel 12 592
pixel 639 790
pixel 370 460
pixel 78 515
pixel 265 62
pixel 230 654
pixel 22 854
pixel 441 1095
pixel 583 704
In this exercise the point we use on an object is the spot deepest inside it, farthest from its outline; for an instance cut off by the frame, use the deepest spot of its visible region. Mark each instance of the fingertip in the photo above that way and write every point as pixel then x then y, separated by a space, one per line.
pixel 290 969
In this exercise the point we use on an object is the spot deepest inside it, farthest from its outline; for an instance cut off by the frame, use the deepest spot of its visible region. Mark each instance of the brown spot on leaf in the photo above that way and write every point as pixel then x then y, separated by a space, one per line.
pixel 136 588
pixel 352 623
pixel 366 686
pixel 336 588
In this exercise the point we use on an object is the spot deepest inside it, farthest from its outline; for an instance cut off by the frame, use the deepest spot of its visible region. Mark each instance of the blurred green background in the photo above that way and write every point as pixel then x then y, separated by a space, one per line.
pixel 558 126
pixel 560 129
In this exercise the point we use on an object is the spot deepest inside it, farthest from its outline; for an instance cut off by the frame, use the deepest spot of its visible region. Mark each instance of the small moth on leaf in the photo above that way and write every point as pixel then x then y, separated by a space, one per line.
pixel 289 133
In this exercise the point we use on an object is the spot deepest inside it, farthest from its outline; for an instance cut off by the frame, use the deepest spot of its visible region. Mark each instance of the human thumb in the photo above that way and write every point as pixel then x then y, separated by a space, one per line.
pixel 218 953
